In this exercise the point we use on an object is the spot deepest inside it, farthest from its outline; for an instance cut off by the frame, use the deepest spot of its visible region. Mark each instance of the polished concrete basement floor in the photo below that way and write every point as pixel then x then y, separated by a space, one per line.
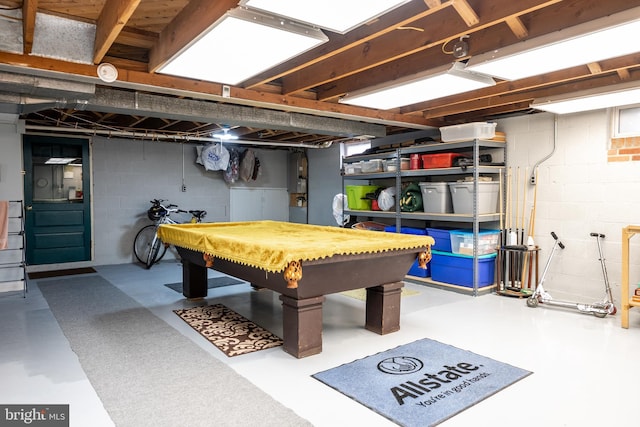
pixel 584 368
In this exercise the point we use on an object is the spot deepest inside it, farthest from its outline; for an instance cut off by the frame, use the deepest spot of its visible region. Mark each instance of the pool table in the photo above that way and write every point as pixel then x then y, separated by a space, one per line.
pixel 302 263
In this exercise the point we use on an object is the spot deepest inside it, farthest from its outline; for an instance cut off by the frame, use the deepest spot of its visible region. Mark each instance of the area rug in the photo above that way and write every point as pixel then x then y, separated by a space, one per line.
pixel 422 383
pixel 231 332
pixel 214 282
pixel 145 372
pixel 361 294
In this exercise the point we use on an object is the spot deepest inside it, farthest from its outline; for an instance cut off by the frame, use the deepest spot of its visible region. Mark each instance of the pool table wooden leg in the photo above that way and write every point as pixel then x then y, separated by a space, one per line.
pixel 302 325
pixel 383 308
pixel 194 280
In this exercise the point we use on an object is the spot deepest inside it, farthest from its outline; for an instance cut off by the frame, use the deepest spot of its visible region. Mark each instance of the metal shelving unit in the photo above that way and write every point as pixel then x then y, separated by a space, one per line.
pixel 472 147
pixel 13 275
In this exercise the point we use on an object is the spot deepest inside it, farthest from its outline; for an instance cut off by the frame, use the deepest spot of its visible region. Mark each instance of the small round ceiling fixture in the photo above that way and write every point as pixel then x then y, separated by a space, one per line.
pixel 108 73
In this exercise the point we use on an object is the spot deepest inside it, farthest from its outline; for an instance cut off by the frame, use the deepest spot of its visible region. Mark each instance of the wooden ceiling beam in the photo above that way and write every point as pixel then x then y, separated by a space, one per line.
pixel 558 78
pixel 192 21
pixel 112 19
pixel 401 17
pixel 29 9
pixel 389 47
pixel 540 91
pixel 483 40
pixel 431 4
pixel 206 90
pixel 466 12
pixel 517 27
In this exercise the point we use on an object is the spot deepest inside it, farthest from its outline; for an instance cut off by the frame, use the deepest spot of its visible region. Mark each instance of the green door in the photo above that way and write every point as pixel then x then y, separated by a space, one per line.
pixel 57 220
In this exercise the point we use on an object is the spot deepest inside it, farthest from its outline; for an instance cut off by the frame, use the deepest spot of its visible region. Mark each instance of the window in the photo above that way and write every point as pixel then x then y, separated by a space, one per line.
pixel 352 148
pixel 626 121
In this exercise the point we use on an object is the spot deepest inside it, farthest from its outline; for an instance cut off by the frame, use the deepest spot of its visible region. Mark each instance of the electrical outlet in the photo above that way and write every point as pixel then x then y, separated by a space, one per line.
pixel 184 188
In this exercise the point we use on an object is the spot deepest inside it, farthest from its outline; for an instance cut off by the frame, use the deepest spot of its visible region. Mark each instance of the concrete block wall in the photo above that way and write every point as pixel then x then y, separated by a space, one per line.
pixel 128 174
pixel 579 192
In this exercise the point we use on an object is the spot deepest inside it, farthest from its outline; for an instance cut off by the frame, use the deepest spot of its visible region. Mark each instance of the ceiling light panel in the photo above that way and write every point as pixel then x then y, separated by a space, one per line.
pixel 437 84
pixel 605 38
pixel 339 16
pixel 606 97
pixel 242 44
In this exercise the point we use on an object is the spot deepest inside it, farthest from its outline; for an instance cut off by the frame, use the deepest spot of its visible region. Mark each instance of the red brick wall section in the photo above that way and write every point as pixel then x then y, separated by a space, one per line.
pixel 624 149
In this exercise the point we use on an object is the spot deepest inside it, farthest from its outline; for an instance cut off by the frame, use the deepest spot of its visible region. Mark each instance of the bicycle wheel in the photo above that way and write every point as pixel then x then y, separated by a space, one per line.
pixel 142 244
pixel 154 253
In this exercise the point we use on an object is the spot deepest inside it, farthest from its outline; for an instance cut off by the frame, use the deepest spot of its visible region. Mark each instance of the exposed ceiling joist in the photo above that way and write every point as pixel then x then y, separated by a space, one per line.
pixel 139 36
pixel 113 18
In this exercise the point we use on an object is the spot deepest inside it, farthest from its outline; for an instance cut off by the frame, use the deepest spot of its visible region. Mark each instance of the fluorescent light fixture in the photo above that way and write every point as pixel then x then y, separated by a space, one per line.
pixel 59 160
pixel 240 45
pixel 609 37
pixel 437 83
pixel 610 96
pixel 339 16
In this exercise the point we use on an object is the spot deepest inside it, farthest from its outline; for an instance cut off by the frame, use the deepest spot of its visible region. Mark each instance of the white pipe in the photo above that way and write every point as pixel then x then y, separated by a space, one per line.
pixel 173 138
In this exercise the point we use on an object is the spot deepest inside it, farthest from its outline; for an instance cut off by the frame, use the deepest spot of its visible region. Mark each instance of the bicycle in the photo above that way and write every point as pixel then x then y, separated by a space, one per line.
pixel 147 246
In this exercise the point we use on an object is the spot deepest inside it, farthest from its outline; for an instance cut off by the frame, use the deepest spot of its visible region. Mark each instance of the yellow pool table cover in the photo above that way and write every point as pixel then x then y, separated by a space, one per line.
pixel 272 245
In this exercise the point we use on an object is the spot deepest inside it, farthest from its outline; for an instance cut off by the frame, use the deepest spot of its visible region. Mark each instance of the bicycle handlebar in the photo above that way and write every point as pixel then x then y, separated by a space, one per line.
pixel 171 208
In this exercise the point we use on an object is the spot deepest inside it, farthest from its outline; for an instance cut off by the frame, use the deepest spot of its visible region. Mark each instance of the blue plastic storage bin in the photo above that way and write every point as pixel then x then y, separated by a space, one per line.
pixel 458 269
pixel 406 230
pixel 442 238
pixel 415 269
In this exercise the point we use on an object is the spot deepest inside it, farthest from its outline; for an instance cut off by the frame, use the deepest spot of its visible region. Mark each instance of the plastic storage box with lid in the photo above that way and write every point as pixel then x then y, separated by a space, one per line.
pixel 468 131
pixel 457 269
pixel 442 238
pixel 356 196
pixel 439 160
pixel 462 197
pixel 436 197
pixel 374 165
pixel 462 241
pixel 415 269
pixel 353 168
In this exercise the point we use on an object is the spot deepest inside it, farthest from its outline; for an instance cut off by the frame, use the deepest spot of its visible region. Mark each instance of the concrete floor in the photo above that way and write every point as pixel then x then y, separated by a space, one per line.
pixel 584 367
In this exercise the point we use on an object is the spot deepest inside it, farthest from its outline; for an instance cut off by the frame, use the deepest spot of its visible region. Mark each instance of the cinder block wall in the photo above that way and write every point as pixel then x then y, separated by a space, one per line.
pixel 579 191
pixel 128 174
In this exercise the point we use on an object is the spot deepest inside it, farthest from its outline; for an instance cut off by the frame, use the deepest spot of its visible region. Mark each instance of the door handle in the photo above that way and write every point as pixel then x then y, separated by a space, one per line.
pixel 29 207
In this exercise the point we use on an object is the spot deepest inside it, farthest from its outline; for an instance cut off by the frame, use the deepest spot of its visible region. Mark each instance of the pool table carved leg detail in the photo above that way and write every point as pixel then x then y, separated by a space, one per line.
pixel 292 274
pixel 383 308
pixel 302 325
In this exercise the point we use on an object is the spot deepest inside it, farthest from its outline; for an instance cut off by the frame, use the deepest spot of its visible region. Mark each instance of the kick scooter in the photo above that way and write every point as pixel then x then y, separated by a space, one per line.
pixel 598 309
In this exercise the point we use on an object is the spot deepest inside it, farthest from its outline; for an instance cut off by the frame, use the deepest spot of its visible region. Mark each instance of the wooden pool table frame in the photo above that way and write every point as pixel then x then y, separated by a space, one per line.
pixel 380 273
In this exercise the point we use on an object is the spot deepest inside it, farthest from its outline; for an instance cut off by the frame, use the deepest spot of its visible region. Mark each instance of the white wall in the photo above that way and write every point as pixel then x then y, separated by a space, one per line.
pixel 578 192
pixel 11 179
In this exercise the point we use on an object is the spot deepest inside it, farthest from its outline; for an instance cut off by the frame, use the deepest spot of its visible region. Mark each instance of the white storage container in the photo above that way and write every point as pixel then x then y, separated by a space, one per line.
pixel 468 131
pixel 436 197
pixel 462 197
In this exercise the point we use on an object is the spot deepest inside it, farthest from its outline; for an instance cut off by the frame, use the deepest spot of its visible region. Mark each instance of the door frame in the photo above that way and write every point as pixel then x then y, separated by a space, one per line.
pixel 60 208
